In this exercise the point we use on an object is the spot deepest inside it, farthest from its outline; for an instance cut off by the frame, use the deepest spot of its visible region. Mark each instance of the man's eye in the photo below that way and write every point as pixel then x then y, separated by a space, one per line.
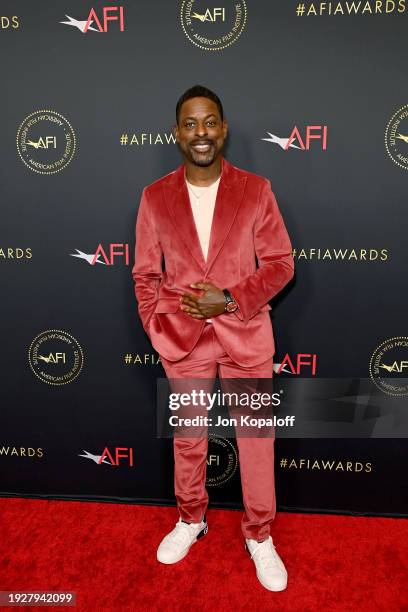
pixel 189 124
pixel 211 122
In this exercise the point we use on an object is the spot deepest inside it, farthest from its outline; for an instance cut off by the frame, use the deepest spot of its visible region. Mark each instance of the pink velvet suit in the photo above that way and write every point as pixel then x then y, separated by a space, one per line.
pixel 250 254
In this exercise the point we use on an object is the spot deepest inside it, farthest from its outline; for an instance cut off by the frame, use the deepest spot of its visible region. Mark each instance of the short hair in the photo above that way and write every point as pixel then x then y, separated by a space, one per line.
pixel 198 91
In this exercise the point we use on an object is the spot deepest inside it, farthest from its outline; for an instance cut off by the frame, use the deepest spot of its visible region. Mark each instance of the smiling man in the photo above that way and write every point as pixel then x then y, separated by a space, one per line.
pixel 226 252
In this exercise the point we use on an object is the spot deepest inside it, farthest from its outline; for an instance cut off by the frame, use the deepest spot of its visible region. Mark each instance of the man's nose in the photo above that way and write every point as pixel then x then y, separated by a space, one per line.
pixel 201 129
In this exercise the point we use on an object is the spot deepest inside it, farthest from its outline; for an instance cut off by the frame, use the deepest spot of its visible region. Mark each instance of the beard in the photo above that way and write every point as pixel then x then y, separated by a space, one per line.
pixel 203 159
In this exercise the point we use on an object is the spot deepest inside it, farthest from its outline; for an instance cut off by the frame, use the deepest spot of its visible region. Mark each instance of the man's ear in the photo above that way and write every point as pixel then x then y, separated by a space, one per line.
pixel 175 131
pixel 225 127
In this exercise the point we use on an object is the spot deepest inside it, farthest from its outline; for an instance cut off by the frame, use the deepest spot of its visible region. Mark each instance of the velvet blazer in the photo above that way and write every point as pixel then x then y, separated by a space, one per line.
pixel 249 254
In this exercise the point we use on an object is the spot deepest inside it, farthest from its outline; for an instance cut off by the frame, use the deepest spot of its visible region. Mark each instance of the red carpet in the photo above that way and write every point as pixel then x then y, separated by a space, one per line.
pixel 106 553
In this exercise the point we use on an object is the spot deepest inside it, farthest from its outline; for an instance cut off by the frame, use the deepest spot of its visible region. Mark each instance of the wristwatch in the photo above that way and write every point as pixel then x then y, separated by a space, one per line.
pixel 230 304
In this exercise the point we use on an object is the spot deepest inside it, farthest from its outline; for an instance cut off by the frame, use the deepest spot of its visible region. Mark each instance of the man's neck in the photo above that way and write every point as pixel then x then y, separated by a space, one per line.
pixel 203 176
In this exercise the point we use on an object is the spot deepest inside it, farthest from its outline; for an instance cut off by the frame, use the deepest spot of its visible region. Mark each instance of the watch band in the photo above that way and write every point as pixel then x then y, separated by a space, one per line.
pixel 230 303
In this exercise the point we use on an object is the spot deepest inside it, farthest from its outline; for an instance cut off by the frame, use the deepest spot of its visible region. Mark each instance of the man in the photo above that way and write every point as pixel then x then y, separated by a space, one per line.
pixel 206 312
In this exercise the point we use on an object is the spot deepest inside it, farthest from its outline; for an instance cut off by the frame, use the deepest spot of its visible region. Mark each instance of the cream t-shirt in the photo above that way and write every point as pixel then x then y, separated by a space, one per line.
pixel 202 200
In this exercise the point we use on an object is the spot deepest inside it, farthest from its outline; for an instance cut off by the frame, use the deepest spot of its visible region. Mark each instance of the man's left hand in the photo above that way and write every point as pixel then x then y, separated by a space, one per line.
pixel 210 303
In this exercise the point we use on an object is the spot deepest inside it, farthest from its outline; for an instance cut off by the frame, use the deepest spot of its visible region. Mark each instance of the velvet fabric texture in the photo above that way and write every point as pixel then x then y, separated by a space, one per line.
pixel 249 254
pixel 256 454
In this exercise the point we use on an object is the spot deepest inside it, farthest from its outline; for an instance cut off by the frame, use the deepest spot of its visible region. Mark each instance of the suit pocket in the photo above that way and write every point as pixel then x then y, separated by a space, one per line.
pixel 167 305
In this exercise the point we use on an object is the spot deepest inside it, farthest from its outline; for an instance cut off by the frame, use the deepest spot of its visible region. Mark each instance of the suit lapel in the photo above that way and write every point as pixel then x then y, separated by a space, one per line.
pixel 229 197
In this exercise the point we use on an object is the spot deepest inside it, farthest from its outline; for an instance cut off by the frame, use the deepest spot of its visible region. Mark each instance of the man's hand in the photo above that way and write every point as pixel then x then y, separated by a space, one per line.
pixel 210 302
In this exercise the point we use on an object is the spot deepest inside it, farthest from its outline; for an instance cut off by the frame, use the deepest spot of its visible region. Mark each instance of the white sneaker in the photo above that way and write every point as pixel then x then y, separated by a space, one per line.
pixel 176 544
pixel 270 570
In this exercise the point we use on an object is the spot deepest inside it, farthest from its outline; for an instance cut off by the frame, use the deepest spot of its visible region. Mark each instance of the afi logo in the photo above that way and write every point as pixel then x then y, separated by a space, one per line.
pixel 53 358
pixel 109 13
pixel 395 367
pixel 115 250
pixel 119 453
pixel 213 460
pixel 41 143
pixel 302 361
pixel 313 132
pixel 106 257
pixel 106 18
pixel 210 15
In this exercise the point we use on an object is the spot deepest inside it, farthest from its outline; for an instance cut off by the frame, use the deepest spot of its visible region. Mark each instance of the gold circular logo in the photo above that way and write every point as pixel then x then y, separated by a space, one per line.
pixel 396 137
pixel 213 25
pixel 389 366
pixel 222 461
pixel 46 142
pixel 55 357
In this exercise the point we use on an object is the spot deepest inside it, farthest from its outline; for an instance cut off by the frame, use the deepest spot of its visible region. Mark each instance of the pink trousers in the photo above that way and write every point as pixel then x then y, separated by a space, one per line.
pixel 256 455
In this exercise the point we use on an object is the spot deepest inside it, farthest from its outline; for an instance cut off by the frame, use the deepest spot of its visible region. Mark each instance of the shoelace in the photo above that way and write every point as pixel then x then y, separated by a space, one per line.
pixel 266 554
pixel 181 533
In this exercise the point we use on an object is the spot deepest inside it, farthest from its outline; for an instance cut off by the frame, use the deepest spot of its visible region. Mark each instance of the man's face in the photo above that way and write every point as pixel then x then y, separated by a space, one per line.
pixel 200 131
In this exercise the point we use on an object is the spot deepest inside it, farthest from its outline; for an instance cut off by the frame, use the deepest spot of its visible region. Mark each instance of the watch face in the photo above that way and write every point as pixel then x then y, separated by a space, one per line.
pixel 231 306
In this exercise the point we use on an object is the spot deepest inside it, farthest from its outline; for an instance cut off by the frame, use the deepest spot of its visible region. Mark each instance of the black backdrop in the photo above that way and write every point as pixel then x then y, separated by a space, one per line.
pixel 342 73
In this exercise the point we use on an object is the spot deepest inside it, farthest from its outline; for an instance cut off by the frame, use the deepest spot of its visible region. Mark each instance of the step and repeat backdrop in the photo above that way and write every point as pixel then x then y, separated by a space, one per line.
pixel 316 99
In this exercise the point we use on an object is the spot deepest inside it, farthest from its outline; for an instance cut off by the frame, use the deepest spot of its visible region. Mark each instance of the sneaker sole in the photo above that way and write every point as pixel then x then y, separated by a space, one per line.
pixel 200 535
pixel 268 588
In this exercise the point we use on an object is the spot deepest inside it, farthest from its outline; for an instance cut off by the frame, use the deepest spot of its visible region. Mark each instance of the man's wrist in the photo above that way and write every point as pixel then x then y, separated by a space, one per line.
pixel 230 303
